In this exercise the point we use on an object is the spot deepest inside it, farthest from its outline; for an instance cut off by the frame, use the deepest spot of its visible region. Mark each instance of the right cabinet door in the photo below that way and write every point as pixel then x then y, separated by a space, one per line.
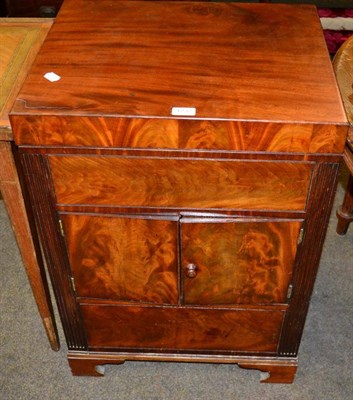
pixel 237 261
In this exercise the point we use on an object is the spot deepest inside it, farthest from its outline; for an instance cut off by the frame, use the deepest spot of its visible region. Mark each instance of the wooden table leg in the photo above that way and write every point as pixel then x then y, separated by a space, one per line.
pixel 28 245
pixel 345 212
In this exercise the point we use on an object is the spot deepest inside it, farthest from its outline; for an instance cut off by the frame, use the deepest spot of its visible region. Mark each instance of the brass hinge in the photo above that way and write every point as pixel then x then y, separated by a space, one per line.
pixel 61 228
pixel 72 280
pixel 300 236
pixel 289 292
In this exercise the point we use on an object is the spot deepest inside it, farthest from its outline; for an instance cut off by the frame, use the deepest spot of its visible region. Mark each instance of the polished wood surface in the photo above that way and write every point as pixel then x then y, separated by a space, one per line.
pixel 23 39
pixel 37 175
pixel 242 189
pixel 126 259
pixel 238 262
pixel 20 41
pixel 323 190
pixel 182 328
pixel 277 370
pixel 156 182
pixel 343 66
pixel 126 59
pixel 178 134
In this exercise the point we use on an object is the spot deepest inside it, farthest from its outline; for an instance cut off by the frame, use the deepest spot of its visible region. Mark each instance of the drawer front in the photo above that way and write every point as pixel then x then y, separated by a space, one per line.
pixel 229 262
pixel 123 259
pixel 159 133
pixel 181 183
pixel 182 328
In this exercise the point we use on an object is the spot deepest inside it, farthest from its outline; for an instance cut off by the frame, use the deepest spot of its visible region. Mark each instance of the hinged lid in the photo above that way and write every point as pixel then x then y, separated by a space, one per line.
pixel 224 60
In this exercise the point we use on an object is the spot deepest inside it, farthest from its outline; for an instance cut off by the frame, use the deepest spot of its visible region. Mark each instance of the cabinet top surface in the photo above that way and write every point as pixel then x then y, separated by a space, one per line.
pixel 218 60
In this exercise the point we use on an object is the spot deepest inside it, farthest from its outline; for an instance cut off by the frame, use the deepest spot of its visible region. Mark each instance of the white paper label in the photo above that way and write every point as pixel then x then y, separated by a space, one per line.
pixel 52 76
pixel 184 111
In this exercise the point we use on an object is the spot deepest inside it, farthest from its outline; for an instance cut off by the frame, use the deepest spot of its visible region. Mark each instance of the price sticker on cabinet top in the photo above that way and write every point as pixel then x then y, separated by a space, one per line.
pixel 52 76
pixel 184 111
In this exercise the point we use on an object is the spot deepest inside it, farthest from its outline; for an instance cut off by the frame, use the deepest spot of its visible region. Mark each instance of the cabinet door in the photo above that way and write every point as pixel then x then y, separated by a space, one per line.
pixel 237 261
pixel 123 258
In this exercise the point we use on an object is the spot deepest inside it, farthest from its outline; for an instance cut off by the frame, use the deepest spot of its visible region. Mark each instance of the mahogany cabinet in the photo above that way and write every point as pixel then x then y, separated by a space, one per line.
pixel 182 169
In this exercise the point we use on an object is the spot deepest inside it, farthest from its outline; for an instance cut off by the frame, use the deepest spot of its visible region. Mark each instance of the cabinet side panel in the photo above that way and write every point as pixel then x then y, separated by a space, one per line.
pixel 319 208
pixel 38 180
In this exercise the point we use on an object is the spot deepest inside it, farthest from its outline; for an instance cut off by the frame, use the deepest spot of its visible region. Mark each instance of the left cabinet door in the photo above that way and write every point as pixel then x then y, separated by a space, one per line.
pixel 123 258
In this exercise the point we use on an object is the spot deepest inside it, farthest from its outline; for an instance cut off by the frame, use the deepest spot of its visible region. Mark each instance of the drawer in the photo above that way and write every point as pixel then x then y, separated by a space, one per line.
pixel 245 330
pixel 123 259
pixel 181 183
pixel 160 133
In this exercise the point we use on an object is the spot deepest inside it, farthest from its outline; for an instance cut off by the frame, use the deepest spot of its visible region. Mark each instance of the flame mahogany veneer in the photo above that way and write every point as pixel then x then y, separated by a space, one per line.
pixel 191 237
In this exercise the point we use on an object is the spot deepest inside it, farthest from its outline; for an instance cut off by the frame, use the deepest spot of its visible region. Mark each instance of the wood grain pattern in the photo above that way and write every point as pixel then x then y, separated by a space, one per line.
pixel 141 59
pixel 266 141
pixel 157 182
pixel 126 259
pixel 178 134
pixel 182 328
pixel 238 262
pixel 23 38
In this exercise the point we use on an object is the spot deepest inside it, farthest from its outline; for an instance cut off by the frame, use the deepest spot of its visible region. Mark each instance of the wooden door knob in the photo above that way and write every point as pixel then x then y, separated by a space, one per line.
pixel 191 270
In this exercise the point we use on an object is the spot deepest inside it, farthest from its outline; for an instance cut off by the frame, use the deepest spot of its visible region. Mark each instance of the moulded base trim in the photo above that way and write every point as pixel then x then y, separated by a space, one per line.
pixel 278 370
